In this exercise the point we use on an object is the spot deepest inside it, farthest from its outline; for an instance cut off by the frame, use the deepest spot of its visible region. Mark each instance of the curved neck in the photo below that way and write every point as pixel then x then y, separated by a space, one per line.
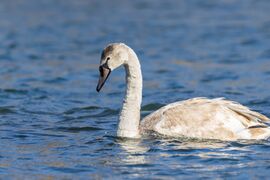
pixel 129 120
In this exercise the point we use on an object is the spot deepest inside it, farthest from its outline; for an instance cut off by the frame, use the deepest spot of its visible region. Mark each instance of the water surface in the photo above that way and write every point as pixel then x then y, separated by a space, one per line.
pixel 54 125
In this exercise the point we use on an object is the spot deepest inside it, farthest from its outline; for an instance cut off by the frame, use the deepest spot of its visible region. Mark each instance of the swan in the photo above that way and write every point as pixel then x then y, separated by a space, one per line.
pixel 193 118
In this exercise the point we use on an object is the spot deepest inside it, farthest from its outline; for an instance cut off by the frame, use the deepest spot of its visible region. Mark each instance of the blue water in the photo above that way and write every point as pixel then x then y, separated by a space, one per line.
pixel 53 124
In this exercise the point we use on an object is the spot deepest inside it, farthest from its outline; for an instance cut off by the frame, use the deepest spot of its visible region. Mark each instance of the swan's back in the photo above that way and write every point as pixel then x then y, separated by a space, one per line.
pixel 207 118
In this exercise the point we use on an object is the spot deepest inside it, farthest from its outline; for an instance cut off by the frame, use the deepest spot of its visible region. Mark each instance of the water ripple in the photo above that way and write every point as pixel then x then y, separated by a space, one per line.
pixel 75 129
pixel 7 110
pixel 54 125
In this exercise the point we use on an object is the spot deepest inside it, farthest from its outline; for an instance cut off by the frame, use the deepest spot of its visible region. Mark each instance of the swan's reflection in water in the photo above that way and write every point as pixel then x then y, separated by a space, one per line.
pixel 189 144
pixel 204 155
pixel 185 145
pixel 135 151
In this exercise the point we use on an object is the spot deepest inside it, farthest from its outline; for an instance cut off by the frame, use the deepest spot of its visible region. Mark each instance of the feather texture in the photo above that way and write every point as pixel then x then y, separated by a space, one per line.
pixel 207 118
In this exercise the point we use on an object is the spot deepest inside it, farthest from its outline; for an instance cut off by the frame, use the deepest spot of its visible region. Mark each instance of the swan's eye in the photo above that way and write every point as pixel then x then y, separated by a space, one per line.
pixel 108 58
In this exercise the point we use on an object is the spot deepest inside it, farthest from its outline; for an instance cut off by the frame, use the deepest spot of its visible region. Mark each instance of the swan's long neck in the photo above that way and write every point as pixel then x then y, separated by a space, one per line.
pixel 129 120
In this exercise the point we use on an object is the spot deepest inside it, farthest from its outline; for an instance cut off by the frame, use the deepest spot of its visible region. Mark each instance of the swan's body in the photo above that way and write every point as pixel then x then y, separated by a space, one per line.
pixel 196 118
pixel 207 118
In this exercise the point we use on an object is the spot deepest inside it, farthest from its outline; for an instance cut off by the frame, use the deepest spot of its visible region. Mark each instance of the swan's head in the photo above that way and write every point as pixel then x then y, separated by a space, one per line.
pixel 113 56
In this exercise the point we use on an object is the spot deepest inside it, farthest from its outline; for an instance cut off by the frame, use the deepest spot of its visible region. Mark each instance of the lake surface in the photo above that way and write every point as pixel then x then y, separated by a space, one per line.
pixel 54 125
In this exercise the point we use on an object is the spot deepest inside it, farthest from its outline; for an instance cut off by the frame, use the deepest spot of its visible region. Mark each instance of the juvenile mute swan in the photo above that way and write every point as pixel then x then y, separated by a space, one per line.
pixel 196 118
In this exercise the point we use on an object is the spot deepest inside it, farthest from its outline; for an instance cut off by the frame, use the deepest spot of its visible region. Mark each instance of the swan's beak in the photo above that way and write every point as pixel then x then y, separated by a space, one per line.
pixel 104 74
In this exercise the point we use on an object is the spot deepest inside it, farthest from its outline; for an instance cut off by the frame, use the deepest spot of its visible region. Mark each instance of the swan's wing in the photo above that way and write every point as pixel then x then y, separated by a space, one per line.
pixel 251 116
pixel 206 118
